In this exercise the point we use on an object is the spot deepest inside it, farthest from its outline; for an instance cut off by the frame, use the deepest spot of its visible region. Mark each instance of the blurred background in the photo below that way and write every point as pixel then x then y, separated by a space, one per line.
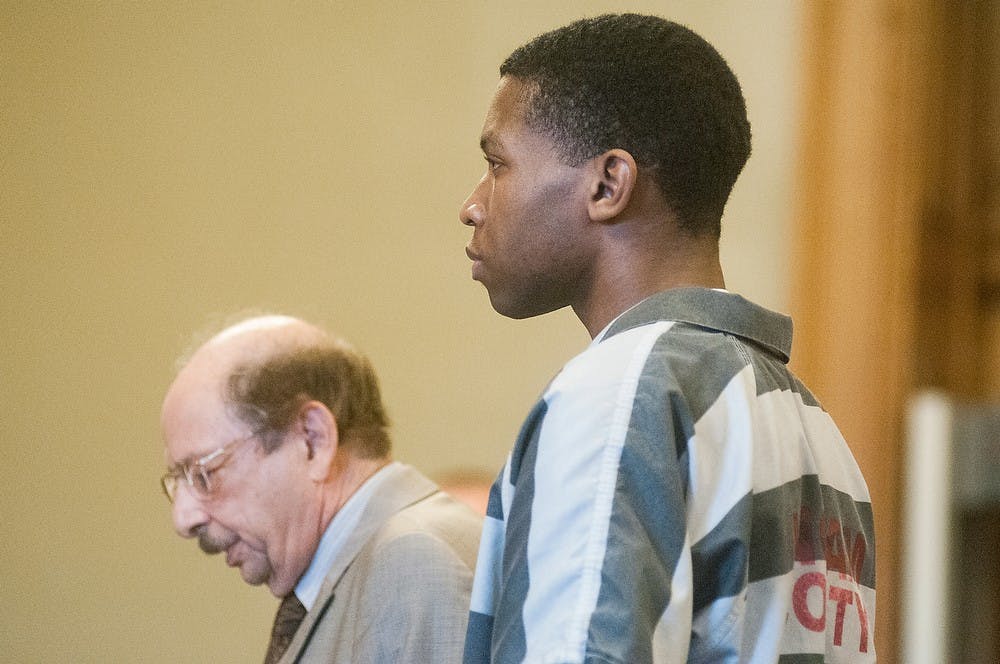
pixel 166 165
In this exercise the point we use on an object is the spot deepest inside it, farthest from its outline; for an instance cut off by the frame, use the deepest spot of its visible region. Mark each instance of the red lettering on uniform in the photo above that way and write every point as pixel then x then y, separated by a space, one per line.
pixel 820 537
pixel 858 557
pixel 803 523
pixel 842 597
pixel 833 545
pixel 863 617
pixel 841 549
pixel 800 597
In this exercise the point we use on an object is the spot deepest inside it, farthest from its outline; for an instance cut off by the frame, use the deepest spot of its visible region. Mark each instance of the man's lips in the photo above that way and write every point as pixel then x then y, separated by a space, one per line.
pixel 212 544
pixel 477 263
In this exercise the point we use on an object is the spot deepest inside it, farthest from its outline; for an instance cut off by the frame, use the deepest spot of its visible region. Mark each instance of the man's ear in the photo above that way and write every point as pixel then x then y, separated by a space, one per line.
pixel 319 429
pixel 615 173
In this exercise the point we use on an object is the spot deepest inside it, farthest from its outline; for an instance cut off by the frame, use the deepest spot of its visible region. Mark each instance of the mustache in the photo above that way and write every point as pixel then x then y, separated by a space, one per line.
pixel 212 544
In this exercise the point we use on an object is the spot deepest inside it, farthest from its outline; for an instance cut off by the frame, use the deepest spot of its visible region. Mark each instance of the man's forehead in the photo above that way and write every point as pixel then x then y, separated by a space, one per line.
pixel 189 444
pixel 195 421
pixel 196 394
pixel 507 108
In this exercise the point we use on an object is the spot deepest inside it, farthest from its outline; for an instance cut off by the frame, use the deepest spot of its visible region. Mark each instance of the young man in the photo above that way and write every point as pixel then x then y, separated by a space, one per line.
pixel 676 494
pixel 279 457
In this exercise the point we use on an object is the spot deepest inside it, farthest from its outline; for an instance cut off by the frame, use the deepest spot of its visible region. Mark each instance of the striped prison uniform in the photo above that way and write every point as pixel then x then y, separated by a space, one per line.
pixel 677 495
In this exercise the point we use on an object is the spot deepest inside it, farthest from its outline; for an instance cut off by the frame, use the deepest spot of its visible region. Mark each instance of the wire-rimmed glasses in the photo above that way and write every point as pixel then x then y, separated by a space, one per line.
pixel 198 473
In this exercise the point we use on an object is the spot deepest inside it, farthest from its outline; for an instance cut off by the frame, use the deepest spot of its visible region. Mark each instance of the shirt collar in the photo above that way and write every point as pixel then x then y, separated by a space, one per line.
pixel 714 309
pixel 337 532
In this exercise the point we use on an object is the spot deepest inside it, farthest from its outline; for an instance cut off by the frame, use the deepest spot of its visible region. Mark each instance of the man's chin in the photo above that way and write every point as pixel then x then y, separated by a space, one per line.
pixel 519 309
pixel 254 575
pixel 280 587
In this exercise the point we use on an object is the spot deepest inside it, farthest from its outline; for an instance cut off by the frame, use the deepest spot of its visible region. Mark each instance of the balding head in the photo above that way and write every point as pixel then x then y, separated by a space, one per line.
pixel 248 340
pixel 261 369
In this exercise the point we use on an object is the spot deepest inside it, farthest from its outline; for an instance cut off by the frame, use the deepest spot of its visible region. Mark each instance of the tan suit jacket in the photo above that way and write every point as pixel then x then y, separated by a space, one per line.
pixel 399 589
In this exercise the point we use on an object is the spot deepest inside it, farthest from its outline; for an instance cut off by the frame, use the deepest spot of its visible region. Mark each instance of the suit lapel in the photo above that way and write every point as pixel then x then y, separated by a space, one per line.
pixel 403 487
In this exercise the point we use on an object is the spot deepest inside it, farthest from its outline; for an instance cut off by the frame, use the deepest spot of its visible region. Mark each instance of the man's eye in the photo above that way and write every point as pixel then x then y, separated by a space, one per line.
pixel 492 164
pixel 202 479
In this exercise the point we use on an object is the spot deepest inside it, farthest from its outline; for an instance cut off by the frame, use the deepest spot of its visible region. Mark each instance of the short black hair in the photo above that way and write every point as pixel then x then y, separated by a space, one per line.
pixel 649 86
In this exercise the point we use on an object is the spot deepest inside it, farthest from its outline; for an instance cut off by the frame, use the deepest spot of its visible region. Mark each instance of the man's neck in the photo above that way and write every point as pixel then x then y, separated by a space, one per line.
pixel 336 533
pixel 348 476
pixel 628 279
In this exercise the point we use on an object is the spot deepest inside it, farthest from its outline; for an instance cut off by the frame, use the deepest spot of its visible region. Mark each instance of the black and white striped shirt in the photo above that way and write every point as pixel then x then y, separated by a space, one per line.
pixel 677 495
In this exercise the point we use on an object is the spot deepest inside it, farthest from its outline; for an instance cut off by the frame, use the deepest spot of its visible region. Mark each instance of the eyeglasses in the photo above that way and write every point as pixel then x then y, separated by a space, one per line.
pixel 198 473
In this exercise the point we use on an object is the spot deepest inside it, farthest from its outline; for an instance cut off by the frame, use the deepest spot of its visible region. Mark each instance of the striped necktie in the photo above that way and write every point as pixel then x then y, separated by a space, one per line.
pixel 286 621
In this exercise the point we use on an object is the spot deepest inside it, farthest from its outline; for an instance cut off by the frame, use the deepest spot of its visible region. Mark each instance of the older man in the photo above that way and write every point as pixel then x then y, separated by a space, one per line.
pixel 279 457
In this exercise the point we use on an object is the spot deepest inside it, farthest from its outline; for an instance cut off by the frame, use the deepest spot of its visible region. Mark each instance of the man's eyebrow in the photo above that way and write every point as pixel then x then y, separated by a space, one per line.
pixel 175 467
pixel 490 142
pixel 188 460
pixel 180 463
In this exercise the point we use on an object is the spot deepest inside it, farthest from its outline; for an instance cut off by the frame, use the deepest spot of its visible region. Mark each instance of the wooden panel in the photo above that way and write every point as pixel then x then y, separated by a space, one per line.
pixel 989 120
pixel 897 247
pixel 863 165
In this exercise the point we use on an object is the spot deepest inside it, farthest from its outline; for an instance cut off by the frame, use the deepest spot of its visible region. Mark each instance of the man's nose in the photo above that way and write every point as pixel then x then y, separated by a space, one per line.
pixel 473 212
pixel 187 511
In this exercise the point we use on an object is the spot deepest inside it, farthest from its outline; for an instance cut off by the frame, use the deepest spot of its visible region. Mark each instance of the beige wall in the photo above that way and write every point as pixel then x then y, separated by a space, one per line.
pixel 166 164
